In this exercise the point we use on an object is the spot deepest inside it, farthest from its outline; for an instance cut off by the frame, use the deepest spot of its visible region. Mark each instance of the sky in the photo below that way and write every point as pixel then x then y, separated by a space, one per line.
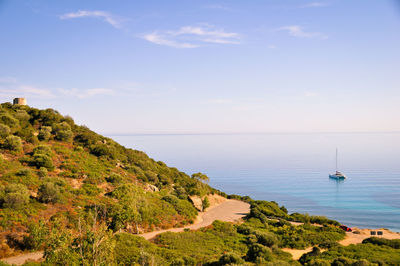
pixel 239 66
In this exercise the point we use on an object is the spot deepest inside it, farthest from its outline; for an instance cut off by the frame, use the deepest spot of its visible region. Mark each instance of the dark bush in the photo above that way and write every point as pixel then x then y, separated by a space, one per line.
pixel 49 193
pixel 44 133
pixel 4 131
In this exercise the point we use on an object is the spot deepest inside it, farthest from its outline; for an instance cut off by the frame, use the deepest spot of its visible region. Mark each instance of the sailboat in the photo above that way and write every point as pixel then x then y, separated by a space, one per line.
pixel 338 174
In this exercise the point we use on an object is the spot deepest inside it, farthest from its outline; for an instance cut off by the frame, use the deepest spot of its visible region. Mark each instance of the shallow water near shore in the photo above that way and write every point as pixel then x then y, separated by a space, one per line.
pixel 293 169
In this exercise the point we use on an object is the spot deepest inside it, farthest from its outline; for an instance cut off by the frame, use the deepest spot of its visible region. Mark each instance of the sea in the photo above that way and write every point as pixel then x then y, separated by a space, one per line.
pixel 293 170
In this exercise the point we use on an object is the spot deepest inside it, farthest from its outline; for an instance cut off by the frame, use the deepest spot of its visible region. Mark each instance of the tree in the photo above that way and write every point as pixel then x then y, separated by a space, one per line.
pixel 15 196
pixel 63 131
pixel 206 203
pixel 49 193
pixel 44 133
pixel 4 131
pixel 13 143
pixel 201 177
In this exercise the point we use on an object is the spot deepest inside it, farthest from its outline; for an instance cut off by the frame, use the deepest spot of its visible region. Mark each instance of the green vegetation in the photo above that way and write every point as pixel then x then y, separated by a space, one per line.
pixel 82 198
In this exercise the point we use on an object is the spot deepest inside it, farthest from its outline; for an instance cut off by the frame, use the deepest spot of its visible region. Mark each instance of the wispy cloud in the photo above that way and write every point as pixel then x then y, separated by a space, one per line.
pixel 10 87
pixel 314 4
pixel 105 16
pixel 192 37
pixel 86 93
pixel 298 31
pixel 221 7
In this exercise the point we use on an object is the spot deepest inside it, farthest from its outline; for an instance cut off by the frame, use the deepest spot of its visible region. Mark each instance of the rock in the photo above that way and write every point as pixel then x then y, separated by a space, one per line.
pixel 197 202
pixel 151 188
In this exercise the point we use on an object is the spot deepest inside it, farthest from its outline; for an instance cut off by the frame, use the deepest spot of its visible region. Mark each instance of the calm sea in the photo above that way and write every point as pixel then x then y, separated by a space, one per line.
pixel 293 169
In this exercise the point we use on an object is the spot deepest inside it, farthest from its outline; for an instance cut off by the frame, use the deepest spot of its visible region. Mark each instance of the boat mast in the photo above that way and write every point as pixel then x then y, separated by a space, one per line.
pixel 336 159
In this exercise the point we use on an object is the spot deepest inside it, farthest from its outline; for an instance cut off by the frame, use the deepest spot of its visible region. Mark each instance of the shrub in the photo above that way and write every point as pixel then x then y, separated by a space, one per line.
pixel 13 143
pixel 257 252
pixel 266 238
pixel 15 196
pixel 43 149
pixel 102 149
pixel 44 133
pixel 90 189
pixel 114 178
pixel 205 203
pixel 49 193
pixel 62 131
pixel 42 160
pixel 37 234
pixel 8 120
pixel 43 172
pixel 21 115
pixel 4 131
pixel 230 258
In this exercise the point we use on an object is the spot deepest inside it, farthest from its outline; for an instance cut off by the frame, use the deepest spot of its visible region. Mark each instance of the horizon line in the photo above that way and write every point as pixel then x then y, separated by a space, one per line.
pixel 244 133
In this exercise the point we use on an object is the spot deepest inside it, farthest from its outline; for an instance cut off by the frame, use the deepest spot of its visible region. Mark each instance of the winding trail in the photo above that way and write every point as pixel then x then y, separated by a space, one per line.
pixel 228 211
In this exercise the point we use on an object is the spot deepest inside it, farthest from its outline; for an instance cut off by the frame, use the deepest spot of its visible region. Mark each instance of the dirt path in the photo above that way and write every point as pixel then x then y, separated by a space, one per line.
pixel 350 238
pixel 21 259
pixel 228 211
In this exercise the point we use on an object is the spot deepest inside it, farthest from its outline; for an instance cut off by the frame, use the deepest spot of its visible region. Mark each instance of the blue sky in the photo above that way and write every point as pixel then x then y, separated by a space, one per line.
pixel 206 66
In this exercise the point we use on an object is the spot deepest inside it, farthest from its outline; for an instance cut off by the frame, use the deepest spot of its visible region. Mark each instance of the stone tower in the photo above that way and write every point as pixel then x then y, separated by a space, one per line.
pixel 19 101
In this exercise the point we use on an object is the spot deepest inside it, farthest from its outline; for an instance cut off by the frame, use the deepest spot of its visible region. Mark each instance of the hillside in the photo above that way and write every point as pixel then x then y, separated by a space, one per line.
pixel 82 198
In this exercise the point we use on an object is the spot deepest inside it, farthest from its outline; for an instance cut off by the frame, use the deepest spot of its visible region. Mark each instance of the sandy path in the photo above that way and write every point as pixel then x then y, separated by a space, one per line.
pixel 21 259
pixel 228 211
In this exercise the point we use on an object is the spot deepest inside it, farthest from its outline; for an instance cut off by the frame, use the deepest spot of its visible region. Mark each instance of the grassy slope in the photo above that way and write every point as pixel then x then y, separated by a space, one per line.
pixel 76 194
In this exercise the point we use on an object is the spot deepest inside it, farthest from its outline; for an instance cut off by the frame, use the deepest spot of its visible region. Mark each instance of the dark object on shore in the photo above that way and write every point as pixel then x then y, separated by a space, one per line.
pixel 345 228
pixel 380 233
pixel 373 233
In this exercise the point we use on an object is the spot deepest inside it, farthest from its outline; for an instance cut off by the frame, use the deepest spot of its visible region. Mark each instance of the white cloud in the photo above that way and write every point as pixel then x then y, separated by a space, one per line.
pixel 217 7
pixel 86 93
pixel 298 31
pixel 10 88
pixel 271 46
pixel 105 16
pixel 160 39
pixel 314 4
pixel 192 37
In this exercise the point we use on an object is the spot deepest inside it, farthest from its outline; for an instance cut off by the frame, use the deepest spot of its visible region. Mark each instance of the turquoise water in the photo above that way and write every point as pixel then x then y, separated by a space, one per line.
pixel 293 169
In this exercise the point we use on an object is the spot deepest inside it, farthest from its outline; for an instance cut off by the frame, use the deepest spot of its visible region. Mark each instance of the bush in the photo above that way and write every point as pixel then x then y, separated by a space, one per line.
pixel 266 238
pixel 44 133
pixel 42 157
pixel 13 143
pixel 15 196
pixel 49 193
pixel 8 120
pixel 114 179
pixel 229 259
pixel 42 160
pixel 4 131
pixel 43 172
pixel 21 115
pixel 63 131
pixel 205 203
pixel 257 252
